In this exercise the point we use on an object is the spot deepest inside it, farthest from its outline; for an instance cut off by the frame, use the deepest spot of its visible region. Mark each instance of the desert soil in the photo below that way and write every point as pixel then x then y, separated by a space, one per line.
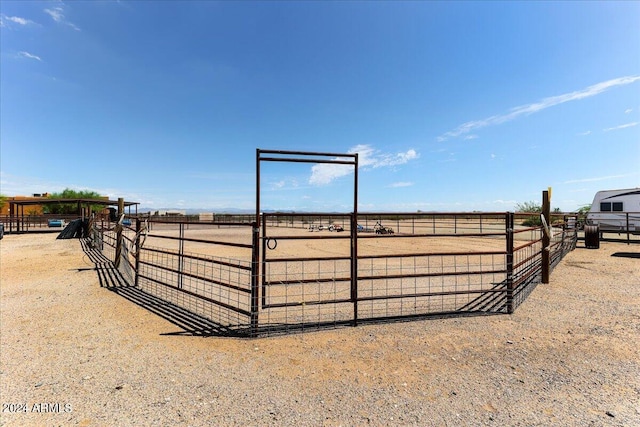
pixel 76 354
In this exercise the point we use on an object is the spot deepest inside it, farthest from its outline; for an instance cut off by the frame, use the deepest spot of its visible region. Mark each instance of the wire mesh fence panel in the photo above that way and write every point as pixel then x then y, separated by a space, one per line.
pixel 431 283
pixel 192 265
pixel 310 279
pixel 375 267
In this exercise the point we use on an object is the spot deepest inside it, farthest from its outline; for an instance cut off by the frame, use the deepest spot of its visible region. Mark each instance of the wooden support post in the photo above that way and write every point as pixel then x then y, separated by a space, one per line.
pixel 116 261
pixel 546 239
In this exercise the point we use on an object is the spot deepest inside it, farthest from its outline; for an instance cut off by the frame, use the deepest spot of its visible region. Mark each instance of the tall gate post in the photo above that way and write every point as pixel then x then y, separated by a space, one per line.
pixel 546 238
pixel 354 244
pixel 509 224
pixel 354 266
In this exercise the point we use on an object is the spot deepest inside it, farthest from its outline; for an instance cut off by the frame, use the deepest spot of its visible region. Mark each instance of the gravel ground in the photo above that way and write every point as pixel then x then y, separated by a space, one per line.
pixel 73 353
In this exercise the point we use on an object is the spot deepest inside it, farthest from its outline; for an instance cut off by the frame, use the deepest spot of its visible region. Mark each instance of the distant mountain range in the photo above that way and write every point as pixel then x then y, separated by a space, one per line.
pixel 194 211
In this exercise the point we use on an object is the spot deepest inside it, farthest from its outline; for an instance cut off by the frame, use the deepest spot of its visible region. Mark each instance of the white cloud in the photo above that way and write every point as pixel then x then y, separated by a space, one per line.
pixel 628 110
pixel 368 158
pixel 57 14
pixel 5 20
pixel 585 133
pixel 471 137
pixel 29 55
pixel 323 174
pixel 599 178
pixel 449 160
pixel 627 125
pixel 401 184
pixel 525 110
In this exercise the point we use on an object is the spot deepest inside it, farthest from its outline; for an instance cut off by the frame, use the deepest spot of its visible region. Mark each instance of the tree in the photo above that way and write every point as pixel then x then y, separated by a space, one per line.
pixel 535 208
pixel 582 214
pixel 528 207
pixel 70 208
pixel 3 200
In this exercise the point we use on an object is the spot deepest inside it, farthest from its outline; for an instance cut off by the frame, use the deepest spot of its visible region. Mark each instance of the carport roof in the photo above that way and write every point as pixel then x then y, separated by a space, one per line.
pixel 50 201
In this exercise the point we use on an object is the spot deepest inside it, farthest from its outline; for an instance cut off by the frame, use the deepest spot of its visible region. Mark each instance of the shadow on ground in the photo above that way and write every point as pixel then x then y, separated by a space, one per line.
pixel 626 254
pixel 492 302
pixel 110 278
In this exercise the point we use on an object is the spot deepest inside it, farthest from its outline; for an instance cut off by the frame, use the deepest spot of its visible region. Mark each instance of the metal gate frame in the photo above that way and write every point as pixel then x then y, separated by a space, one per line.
pixel 316 158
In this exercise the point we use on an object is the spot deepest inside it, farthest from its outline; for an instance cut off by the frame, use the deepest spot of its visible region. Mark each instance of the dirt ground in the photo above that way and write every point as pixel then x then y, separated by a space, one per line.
pixel 76 354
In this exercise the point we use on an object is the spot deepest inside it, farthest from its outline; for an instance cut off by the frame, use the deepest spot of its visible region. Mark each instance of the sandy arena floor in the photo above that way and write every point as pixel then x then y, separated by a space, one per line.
pixel 73 353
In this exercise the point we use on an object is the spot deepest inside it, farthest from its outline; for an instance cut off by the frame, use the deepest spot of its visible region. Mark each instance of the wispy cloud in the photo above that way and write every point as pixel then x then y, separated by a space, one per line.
pixel 285 184
pixel 400 184
pixel 585 133
pixel 29 55
pixel 5 21
pixel 626 125
pixel 628 110
pixel 599 178
pixel 57 14
pixel 471 137
pixel 449 160
pixel 525 110
pixel 368 158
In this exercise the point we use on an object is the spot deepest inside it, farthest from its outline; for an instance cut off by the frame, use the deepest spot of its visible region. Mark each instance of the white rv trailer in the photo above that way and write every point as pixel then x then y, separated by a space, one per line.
pixel 613 210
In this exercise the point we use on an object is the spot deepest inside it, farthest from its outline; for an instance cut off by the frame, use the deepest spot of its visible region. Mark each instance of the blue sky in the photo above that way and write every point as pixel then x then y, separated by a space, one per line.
pixel 452 106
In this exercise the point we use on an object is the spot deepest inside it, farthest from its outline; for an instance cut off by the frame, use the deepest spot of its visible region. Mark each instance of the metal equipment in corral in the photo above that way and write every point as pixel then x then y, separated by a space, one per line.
pixel 381 229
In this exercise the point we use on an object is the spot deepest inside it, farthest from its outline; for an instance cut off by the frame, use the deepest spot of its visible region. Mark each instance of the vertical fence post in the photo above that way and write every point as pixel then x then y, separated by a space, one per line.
pixel 628 232
pixel 137 269
pixel 354 266
pixel 262 256
pixel 509 222
pixel 116 261
pixel 255 263
pixel 181 255
pixel 119 228
pixel 546 239
pixel 354 243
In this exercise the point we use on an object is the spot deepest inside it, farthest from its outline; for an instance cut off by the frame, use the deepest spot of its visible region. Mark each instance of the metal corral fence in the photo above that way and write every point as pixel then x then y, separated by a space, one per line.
pixel 35 223
pixel 308 271
pixel 205 268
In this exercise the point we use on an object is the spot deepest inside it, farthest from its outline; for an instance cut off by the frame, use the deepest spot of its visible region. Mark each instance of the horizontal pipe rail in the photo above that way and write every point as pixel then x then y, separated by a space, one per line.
pixel 384 276
pixel 526 245
pixel 338 236
pixel 187 239
pixel 382 297
pixel 196 295
pixel 197 277
pixel 429 254
pixel 373 235
pixel 199 258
